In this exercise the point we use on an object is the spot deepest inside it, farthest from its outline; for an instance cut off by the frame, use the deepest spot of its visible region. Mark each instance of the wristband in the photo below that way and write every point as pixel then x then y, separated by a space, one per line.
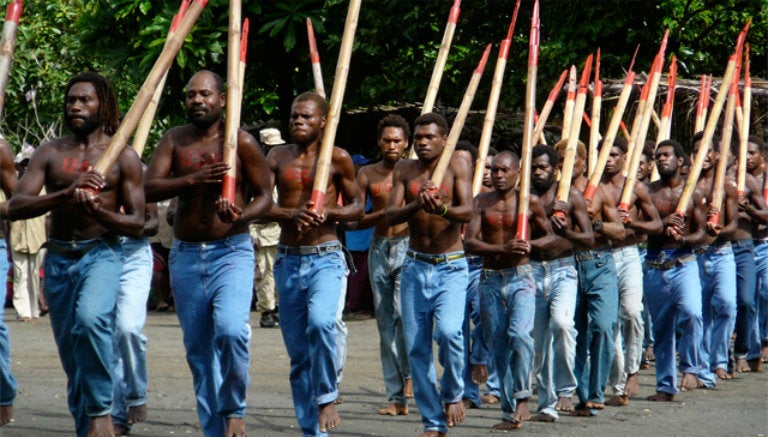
pixel 597 226
pixel 444 212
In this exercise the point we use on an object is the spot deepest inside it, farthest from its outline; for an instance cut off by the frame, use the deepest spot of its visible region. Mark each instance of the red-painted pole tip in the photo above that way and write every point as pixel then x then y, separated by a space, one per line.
pixel 453 17
pixel 481 65
pixel 13 13
pixel 244 40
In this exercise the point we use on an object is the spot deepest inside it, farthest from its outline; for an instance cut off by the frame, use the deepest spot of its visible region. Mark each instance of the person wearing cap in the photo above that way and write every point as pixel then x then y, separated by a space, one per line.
pixel 265 237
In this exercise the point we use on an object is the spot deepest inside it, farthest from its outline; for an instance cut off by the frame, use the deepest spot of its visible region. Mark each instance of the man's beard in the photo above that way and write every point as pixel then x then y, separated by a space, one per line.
pixel 542 185
pixel 667 172
pixel 202 122
pixel 89 125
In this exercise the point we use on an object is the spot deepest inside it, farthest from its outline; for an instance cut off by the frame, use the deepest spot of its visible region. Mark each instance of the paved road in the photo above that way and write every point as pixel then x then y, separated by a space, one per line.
pixel 735 408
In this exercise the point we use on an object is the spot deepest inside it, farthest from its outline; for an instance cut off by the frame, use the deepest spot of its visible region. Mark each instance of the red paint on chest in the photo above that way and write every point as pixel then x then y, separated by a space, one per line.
pixel 74 165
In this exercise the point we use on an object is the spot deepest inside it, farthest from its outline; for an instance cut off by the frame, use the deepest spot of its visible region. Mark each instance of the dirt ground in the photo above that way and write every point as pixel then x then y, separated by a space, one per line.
pixel 734 408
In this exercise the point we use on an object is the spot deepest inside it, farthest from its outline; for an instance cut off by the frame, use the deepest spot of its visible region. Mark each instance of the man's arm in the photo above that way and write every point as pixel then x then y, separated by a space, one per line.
pixel 151 220
pixel 611 226
pixel 644 203
pixel 584 236
pixel 26 201
pixel 372 218
pixel 473 243
pixel 255 173
pixel 698 234
pixel 753 203
pixel 539 221
pixel 7 176
pixel 461 209
pixel 354 206
pixel 397 212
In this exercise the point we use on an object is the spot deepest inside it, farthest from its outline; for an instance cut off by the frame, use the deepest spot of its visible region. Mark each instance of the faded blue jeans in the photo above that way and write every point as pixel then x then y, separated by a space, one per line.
pixel 630 326
pixel 674 300
pixel 309 280
pixel 554 331
pixel 597 310
pixel 7 382
pixel 81 289
pixel 385 261
pixel 212 286
pixel 508 301
pixel 130 367
pixel 747 344
pixel 475 338
pixel 433 291
pixel 761 259
pixel 717 272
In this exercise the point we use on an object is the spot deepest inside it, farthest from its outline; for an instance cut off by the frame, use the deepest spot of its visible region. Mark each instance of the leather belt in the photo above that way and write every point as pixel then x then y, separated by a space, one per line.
pixel 434 259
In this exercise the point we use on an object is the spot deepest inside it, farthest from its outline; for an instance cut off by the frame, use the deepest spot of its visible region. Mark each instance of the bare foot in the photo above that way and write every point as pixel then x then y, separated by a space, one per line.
pixel 235 427
pixel 490 399
pixel 595 405
pixel 741 366
pixel 689 382
pixel 338 400
pixel 394 409
pixel 648 354
pixel 660 396
pixel 468 405
pixel 755 365
pixel 723 374
pixel 121 429
pixel 521 411
pixel 764 352
pixel 432 434
pixel 328 417
pixel 645 364
pixel 618 401
pixel 632 386
pixel 408 388
pixel 564 403
pixel 454 414
pixel 137 414
pixel 6 414
pixel 479 373
pixel 582 412
pixel 543 417
pixel 507 425
pixel 101 427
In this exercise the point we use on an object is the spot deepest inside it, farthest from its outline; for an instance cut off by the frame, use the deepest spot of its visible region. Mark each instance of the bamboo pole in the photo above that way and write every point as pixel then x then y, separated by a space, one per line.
pixel 594 131
pixel 564 188
pixel 666 114
pixel 706 140
pixel 493 100
pixel 7 46
pixel 631 178
pixel 314 56
pixel 458 124
pixel 325 154
pixel 741 179
pixel 636 125
pixel 442 57
pixel 538 131
pixel 234 101
pixel 244 49
pixel 145 124
pixel 524 193
pixel 610 135
pixel 718 189
pixel 570 102
pixel 701 103
pixel 147 90
pixel 624 131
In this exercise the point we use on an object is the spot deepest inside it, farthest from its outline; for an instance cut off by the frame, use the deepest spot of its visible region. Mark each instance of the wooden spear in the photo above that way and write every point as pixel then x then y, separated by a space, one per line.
pixel 7 45
pixel 718 189
pixel 442 58
pixel 610 135
pixel 325 155
pixel 624 131
pixel 570 101
pixel 538 131
pixel 636 124
pixel 314 56
pixel 631 178
pixel 594 131
pixel 145 124
pixel 564 188
pixel 493 100
pixel 234 101
pixel 741 179
pixel 147 90
pixel 244 49
pixel 458 124
pixel 701 103
pixel 524 193
pixel 665 128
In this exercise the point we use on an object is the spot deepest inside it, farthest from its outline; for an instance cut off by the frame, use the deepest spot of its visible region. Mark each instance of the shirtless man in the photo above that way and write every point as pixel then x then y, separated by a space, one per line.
pixel 212 254
pixel 7 382
pixel 554 270
pixel 671 283
pixel 717 272
pixel 508 293
pixel 598 294
pixel 310 267
pixel 434 278
pixel 385 261
pixel 756 159
pixel 84 254
pixel 641 218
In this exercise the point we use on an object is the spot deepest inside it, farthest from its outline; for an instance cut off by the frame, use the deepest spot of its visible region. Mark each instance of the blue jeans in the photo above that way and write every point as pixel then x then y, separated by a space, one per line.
pixel 475 338
pixel 629 328
pixel 717 272
pixel 81 292
pixel 761 258
pixel 674 300
pixel 597 310
pixel 554 332
pixel 130 355
pixel 7 382
pixel 341 331
pixel 385 261
pixel 747 344
pixel 508 301
pixel 212 284
pixel 434 294
pixel 308 286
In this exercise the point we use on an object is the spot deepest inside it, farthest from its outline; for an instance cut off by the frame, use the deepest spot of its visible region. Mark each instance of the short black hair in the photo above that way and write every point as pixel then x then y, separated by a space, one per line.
pixel 677 148
pixel 309 96
pixel 393 120
pixel 466 145
pixel 432 118
pixel 617 142
pixel 759 141
pixel 511 154
pixel 700 134
pixel 543 149
pixel 109 110
pixel 650 147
